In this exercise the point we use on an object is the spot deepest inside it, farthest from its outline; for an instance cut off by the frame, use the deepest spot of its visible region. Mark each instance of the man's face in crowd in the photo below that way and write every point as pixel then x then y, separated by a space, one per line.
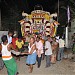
pixel 10 34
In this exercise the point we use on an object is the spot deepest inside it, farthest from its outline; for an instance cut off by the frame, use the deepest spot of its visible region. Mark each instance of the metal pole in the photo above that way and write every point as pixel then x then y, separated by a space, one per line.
pixel 67 33
pixel 66 37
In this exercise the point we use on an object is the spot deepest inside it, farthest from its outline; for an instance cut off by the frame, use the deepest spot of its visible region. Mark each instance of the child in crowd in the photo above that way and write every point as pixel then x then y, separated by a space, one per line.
pixel 19 44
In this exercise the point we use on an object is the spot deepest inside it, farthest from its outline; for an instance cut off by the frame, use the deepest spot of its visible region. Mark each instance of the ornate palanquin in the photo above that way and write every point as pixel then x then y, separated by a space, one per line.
pixel 38 21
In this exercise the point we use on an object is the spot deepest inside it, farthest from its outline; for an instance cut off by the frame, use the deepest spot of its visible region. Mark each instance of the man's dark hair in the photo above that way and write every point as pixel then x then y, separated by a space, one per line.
pixel 60 37
pixel 38 37
pixel 10 32
pixel 4 38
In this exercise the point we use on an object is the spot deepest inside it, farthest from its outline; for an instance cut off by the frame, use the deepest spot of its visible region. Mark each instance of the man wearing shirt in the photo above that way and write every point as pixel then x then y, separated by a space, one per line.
pixel 39 46
pixel 48 51
pixel 9 37
pixel 61 49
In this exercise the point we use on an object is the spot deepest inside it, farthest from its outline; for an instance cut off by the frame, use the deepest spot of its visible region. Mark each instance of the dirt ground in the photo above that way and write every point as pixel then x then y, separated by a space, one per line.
pixel 64 67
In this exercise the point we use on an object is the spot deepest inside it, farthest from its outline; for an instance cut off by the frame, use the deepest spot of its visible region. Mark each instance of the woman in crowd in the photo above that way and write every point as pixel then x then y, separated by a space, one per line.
pixel 31 59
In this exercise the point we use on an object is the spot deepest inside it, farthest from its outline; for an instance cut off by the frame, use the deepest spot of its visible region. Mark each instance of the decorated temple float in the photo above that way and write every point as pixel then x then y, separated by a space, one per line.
pixel 39 21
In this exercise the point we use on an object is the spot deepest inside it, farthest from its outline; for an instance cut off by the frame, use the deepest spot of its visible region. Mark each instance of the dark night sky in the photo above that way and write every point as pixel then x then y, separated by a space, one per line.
pixel 48 5
pixel 28 5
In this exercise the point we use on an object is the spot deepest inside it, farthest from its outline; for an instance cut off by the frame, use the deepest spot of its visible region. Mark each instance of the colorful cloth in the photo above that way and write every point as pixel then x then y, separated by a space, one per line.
pixel 11 66
pixel 14 42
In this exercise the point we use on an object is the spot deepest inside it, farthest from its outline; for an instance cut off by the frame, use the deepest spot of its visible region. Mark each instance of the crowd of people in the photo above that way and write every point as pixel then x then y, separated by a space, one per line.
pixel 38 47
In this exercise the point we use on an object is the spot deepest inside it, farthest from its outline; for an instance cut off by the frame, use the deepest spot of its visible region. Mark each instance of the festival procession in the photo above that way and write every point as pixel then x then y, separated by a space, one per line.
pixel 39 42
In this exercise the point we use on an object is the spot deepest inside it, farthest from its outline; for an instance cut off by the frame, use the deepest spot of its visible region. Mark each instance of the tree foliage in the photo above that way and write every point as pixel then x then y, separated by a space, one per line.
pixel 10 16
pixel 72 8
pixel 71 4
